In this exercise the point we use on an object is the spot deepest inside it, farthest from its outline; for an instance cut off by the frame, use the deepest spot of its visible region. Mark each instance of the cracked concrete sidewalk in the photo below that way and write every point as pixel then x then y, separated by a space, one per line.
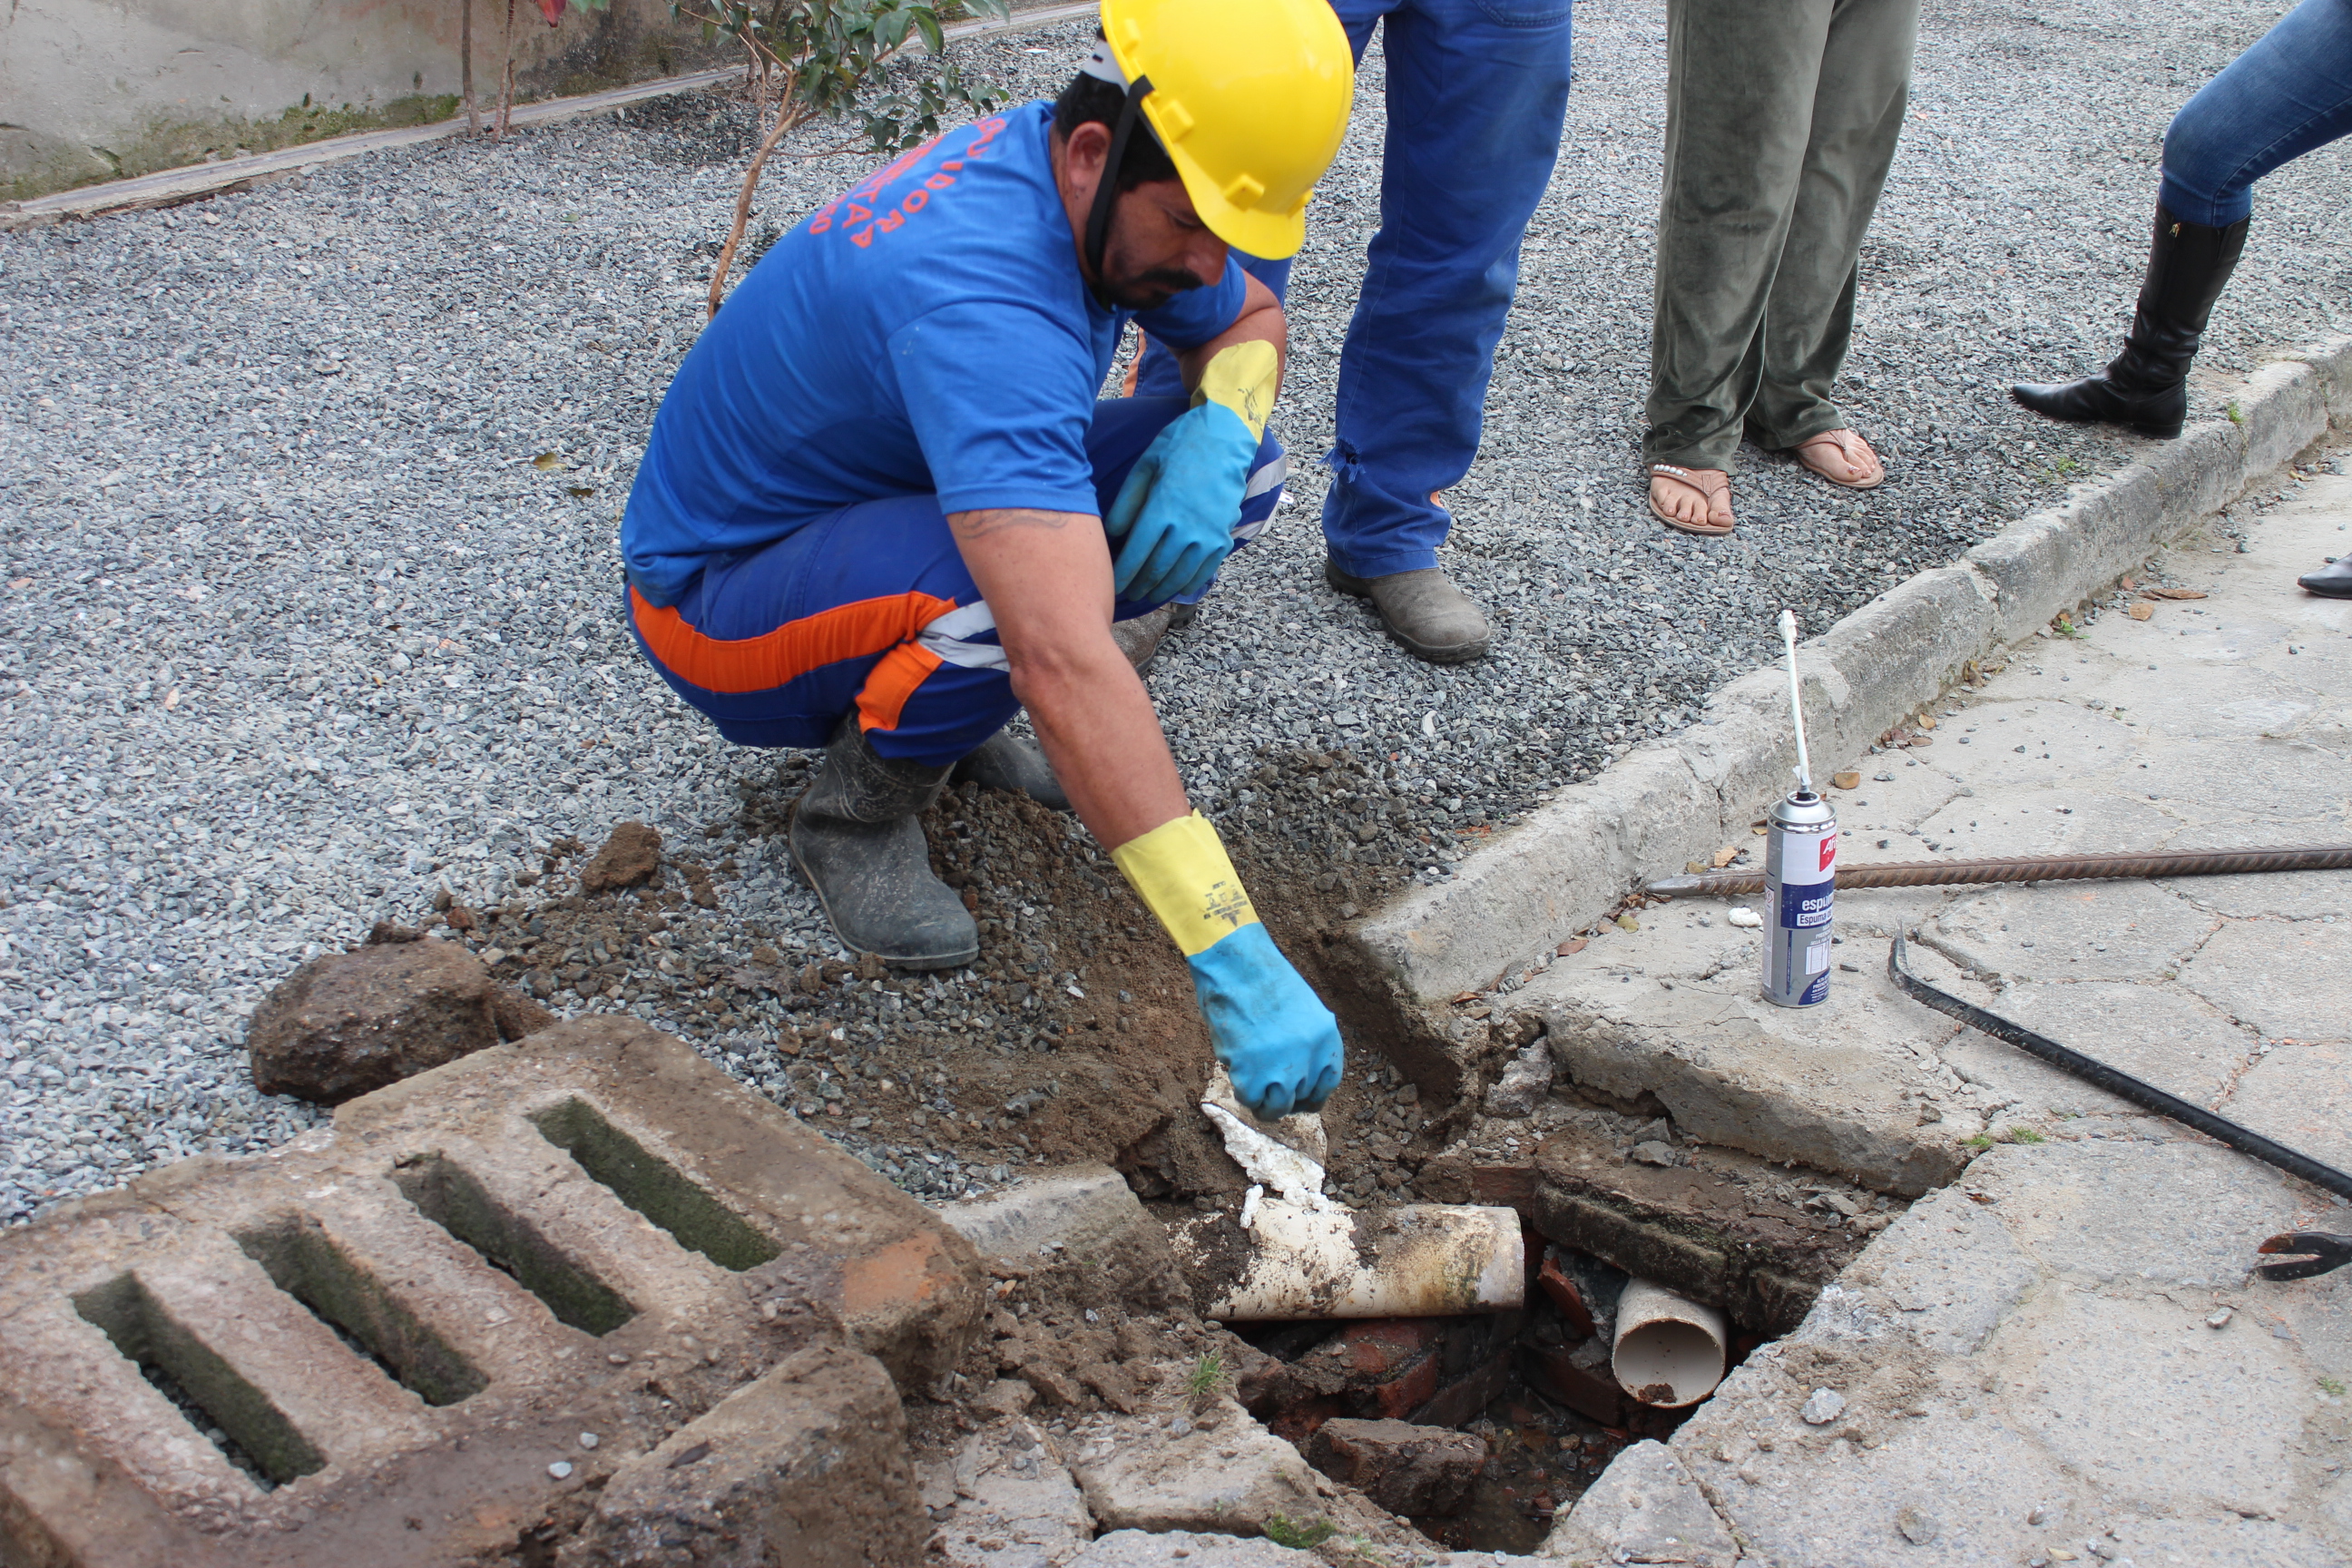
pixel 2058 1354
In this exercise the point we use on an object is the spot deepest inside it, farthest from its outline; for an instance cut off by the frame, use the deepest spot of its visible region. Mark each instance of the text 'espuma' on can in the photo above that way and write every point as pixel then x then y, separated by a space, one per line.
pixel 1800 884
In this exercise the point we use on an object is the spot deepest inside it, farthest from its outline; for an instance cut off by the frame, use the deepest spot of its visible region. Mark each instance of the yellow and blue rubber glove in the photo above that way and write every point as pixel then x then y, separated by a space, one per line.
pixel 1278 1042
pixel 1172 524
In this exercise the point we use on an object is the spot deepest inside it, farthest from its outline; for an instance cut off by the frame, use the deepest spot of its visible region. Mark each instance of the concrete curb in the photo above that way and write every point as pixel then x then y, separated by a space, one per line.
pixel 1675 800
pixel 170 187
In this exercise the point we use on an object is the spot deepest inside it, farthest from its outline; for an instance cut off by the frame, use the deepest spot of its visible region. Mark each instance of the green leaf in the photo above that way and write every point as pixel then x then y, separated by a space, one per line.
pixel 927 22
pixel 892 28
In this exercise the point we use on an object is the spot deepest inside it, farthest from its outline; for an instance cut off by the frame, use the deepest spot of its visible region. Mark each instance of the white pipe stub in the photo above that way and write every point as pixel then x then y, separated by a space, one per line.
pixel 1420 1260
pixel 1669 1349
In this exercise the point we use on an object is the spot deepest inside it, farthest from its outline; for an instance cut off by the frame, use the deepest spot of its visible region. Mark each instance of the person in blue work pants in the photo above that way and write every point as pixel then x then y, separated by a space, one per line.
pixel 2287 95
pixel 882 509
pixel 870 613
pixel 1477 93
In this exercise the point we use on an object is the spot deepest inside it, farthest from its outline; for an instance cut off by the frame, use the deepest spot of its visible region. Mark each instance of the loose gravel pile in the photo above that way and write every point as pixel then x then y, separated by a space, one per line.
pixel 311 493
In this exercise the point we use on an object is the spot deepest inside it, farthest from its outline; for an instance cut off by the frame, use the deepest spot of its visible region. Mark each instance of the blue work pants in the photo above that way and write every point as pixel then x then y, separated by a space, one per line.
pixel 1476 91
pixel 2289 93
pixel 871 610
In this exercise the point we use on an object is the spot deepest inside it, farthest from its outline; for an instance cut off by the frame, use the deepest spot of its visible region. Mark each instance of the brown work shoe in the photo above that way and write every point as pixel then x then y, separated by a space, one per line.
pixel 1432 618
pixel 1140 638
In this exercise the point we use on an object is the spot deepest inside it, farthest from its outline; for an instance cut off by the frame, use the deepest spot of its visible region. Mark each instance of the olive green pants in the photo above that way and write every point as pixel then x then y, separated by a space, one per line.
pixel 1781 118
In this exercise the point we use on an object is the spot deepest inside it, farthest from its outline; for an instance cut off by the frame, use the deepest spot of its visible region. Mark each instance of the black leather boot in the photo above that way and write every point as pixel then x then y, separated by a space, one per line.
pixel 853 835
pixel 2333 581
pixel 2147 387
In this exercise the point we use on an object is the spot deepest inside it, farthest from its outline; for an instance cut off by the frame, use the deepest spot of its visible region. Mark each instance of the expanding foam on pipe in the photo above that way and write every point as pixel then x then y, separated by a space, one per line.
pixel 1423 1260
pixel 1669 1349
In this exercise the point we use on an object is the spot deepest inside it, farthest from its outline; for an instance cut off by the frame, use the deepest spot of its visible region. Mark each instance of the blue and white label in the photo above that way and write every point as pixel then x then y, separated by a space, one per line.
pixel 1804 907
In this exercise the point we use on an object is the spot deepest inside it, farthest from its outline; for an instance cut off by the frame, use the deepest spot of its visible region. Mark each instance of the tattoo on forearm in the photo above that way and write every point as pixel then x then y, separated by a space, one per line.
pixel 977 525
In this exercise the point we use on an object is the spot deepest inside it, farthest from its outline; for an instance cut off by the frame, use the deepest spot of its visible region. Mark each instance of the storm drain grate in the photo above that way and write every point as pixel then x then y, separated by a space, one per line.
pixel 449 1195
pixel 254 1434
pixel 305 1262
pixel 653 1187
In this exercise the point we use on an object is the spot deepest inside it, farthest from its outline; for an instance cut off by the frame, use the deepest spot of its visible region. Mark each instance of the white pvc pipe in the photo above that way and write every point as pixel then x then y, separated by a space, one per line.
pixel 1423 1260
pixel 1669 1349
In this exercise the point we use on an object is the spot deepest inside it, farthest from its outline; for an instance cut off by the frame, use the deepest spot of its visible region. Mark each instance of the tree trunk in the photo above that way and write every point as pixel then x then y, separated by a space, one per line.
pixel 506 84
pixel 787 116
pixel 466 65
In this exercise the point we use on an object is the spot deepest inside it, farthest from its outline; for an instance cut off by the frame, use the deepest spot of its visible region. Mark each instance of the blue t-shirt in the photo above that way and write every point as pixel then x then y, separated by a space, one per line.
pixel 926 333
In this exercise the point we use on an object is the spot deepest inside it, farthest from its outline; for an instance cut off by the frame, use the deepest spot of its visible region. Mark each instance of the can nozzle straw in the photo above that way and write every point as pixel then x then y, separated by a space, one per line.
pixel 1796 700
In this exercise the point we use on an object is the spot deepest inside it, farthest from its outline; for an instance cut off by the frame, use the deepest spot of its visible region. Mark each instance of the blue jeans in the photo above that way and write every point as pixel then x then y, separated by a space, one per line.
pixel 1476 91
pixel 2288 94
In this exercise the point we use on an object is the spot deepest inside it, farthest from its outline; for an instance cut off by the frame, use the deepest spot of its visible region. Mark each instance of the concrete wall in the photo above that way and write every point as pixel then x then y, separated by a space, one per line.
pixel 102 89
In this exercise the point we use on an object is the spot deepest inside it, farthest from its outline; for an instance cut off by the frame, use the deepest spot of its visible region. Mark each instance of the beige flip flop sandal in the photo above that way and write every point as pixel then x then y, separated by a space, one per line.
pixel 1716 495
pixel 1844 441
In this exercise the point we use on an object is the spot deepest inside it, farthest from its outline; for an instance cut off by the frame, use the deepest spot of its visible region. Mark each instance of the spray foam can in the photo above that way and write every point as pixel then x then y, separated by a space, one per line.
pixel 1801 880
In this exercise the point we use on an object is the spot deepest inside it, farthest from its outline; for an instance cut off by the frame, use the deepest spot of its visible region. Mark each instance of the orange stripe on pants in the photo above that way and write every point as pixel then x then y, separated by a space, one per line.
pixel 778 657
pixel 890 683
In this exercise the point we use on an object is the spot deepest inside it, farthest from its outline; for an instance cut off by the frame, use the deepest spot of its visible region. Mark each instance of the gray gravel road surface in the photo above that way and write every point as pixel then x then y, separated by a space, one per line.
pixel 308 497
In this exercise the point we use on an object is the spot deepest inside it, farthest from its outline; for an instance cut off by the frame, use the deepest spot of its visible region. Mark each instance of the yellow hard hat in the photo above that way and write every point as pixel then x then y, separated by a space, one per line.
pixel 1249 97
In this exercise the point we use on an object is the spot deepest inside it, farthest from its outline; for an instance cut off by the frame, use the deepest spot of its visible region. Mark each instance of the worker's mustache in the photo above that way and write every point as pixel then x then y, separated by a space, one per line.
pixel 1146 289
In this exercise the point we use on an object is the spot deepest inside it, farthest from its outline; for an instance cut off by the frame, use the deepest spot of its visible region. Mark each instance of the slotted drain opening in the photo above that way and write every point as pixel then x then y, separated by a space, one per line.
pixel 305 1262
pixel 230 1413
pixel 446 1193
pixel 653 1187
pixel 1536 1384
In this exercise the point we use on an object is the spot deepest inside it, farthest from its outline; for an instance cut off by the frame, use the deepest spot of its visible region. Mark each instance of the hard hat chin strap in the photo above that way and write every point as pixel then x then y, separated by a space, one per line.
pixel 1131 114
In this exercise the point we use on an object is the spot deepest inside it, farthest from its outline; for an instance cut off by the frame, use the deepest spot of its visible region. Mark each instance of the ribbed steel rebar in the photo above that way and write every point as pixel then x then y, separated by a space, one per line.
pixel 2036 869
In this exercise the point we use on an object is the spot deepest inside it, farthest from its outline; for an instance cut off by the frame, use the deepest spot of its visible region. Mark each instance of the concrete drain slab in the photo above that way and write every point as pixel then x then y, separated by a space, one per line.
pixel 564 1287
pixel 1671 1017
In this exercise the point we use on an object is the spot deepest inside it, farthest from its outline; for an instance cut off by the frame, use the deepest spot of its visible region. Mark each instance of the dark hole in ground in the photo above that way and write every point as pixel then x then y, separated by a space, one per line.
pixel 1533 1384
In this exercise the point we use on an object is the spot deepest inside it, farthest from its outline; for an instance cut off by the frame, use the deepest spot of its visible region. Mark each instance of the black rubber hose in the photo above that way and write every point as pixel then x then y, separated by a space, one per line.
pixel 2120 1084
pixel 2035 868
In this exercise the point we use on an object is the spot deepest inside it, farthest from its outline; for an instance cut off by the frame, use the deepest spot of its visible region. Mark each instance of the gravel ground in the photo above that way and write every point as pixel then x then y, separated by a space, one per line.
pixel 310 492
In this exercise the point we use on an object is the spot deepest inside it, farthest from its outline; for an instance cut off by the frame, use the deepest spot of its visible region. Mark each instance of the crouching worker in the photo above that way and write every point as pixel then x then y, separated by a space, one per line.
pixel 882 510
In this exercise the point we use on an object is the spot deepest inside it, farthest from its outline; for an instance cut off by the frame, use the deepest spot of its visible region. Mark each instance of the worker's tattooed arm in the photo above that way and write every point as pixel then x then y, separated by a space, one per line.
pixel 1046 578
pixel 1048 581
pixel 971 525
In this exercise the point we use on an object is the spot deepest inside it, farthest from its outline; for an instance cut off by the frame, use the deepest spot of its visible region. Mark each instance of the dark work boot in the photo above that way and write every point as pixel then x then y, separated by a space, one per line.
pixel 1423 610
pixel 1140 638
pixel 853 835
pixel 2333 581
pixel 2147 387
pixel 1014 766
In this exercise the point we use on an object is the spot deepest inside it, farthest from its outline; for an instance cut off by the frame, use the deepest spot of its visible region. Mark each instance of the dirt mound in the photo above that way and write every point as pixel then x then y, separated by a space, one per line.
pixel 631 856
pixel 1074 1037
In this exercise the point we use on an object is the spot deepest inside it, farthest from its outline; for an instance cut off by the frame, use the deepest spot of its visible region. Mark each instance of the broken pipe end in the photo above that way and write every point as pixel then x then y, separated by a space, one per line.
pixel 1669 1349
